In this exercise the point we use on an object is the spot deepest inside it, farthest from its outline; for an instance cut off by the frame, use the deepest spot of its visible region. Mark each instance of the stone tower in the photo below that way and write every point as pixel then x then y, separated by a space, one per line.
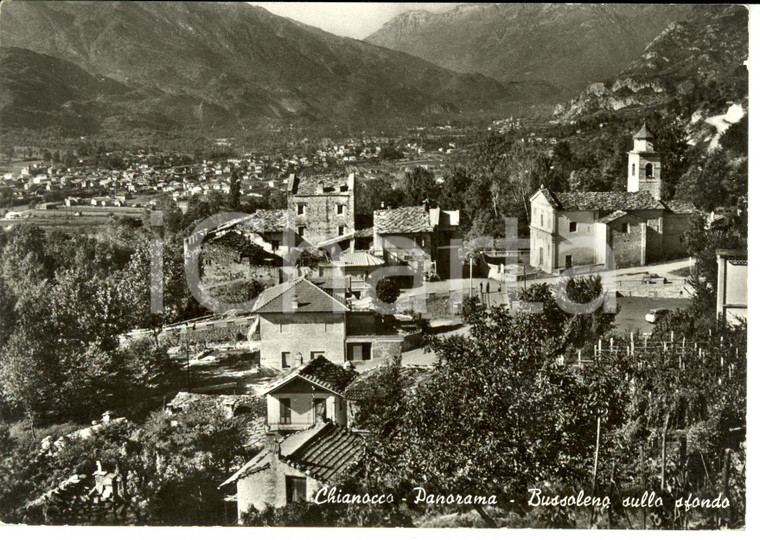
pixel 644 165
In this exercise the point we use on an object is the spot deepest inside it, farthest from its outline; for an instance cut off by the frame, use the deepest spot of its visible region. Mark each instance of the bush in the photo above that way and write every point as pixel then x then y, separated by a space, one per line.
pixel 388 290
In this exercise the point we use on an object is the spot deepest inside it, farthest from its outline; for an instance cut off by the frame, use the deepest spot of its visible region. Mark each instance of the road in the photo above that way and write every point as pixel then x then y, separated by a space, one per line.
pixel 666 270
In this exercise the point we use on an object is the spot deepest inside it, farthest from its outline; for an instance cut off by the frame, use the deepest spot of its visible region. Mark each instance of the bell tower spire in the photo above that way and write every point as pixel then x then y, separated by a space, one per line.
pixel 644 166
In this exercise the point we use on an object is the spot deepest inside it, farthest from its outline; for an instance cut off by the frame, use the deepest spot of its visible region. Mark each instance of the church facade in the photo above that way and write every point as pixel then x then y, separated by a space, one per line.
pixel 605 229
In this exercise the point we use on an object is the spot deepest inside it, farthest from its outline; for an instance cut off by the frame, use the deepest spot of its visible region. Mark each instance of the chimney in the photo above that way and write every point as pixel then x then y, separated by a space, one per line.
pixel 321 185
pixel 294 303
pixel 382 204
pixel 426 205
pixel 272 444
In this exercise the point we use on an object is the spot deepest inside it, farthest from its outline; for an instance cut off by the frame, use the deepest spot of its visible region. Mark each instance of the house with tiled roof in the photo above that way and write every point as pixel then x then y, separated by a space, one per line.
pixel 295 467
pixel 297 320
pixel 606 230
pixel 308 393
pixel 353 268
pixel 321 208
pixel 416 236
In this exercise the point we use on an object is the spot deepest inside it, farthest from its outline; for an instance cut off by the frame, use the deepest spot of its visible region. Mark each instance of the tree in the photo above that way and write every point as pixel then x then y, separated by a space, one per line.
pixel 419 185
pixel 234 190
pixel 490 411
pixel 167 470
pixel 24 260
pixel 703 184
pixel 736 138
pixel 387 290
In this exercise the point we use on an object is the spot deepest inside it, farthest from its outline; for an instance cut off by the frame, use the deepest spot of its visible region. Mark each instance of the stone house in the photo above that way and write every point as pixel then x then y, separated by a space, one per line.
pixel 268 229
pixel 416 236
pixel 321 208
pixel 354 268
pixel 610 229
pixel 296 467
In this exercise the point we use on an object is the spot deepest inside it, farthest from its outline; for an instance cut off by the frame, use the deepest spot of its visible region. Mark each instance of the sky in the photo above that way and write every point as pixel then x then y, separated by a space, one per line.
pixel 351 19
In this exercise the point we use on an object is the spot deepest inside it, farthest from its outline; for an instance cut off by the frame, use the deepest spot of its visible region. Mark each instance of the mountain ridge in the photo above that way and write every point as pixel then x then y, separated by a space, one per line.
pixel 567 46
pixel 245 65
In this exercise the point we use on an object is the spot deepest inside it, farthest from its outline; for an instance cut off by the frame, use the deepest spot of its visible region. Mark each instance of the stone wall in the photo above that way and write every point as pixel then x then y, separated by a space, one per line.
pixel 627 244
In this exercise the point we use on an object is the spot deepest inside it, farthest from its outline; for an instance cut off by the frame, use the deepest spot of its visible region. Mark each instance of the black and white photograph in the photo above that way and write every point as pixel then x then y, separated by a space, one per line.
pixel 370 265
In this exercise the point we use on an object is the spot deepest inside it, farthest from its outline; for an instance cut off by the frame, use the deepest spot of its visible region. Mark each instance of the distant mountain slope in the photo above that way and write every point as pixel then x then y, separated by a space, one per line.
pixel 701 59
pixel 568 46
pixel 221 65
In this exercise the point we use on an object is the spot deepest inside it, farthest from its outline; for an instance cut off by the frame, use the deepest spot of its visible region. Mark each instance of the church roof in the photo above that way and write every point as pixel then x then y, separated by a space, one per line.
pixel 644 133
pixel 617 214
pixel 607 200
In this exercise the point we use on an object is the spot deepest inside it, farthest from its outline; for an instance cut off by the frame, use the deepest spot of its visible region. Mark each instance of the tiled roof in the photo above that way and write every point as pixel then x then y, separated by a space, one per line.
pixel 311 185
pixel 358 258
pixel 407 219
pixel 680 207
pixel 311 299
pixel 607 200
pixel 319 371
pixel 323 451
pixel 332 451
pixel 265 221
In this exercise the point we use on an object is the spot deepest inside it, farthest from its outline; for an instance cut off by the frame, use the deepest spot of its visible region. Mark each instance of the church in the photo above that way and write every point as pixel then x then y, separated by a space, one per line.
pixel 604 230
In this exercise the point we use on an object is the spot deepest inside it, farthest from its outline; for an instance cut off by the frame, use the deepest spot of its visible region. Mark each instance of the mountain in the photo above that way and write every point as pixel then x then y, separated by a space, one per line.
pixel 698 62
pixel 211 65
pixel 566 46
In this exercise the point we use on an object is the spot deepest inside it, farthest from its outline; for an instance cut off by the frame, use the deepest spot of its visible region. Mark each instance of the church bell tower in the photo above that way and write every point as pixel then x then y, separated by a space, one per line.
pixel 644 165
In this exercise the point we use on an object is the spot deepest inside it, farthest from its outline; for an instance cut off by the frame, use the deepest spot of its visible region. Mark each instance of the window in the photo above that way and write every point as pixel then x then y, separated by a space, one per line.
pixel 320 409
pixel 300 209
pixel 301 230
pixel 339 209
pixel 360 351
pixel 315 354
pixel 542 219
pixel 285 360
pixel 625 228
pixel 568 261
pixel 540 256
pixel 649 170
pixel 573 226
pixel 285 410
pixel 295 489
pixel 275 245
pixel 633 169
pixel 341 230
